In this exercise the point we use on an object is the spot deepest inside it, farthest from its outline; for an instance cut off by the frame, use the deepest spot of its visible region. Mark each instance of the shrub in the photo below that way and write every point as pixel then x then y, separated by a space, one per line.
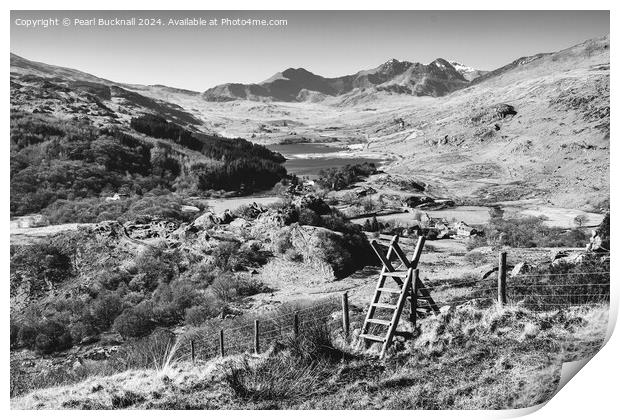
pixel 27 334
pixel 196 315
pixel 232 256
pixel 52 336
pixel 282 242
pixel 105 308
pixel 223 254
pixel 42 261
pixel 228 287
pixel 300 367
pixel 200 275
pixel 156 265
pixel 14 330
pixel 341 178
pixel 309 217
pixel 80 330
pixel 580 220
pixel 156 351
pixel 135 322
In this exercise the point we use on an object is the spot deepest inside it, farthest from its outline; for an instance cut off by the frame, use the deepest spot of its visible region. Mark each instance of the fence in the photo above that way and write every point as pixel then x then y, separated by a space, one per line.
pixel 536 291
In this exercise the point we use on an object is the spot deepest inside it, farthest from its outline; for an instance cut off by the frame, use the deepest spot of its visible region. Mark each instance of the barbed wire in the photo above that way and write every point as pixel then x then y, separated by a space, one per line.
pixel 558 285
pixel 554 295
pixel 211 347
pixel 561 274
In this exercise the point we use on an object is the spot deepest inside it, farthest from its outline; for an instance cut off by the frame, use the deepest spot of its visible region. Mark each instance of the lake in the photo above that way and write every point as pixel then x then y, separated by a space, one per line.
pixel 307 159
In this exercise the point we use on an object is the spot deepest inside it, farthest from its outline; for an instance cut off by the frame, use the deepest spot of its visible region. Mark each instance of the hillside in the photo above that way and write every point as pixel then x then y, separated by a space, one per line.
pixel 538 129
pixel 76 137
pixel 464 359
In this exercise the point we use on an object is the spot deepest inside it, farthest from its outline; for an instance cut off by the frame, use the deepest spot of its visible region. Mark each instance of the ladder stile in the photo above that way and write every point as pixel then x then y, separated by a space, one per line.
pixel 410 287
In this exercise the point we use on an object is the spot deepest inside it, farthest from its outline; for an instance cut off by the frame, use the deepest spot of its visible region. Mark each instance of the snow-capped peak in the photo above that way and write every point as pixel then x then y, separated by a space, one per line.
pixel 460 67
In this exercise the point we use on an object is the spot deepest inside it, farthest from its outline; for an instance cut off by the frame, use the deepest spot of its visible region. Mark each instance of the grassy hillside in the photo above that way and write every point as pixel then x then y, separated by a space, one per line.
pixel 466 358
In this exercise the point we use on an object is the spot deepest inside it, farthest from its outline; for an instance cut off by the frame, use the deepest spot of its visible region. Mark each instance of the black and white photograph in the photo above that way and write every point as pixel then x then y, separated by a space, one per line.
pixel 306 209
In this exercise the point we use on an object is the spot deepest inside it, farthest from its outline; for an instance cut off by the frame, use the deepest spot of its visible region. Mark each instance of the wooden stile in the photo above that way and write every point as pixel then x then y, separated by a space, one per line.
pixel 410 286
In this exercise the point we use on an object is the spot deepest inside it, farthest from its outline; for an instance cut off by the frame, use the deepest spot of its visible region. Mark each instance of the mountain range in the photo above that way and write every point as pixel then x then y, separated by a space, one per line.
pixel 437 78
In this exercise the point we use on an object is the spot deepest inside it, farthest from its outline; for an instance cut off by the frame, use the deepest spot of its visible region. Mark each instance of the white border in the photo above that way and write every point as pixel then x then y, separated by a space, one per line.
pixel 592 394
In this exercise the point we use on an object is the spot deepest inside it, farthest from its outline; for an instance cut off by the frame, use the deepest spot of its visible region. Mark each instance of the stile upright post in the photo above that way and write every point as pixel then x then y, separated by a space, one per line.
pixel 296 325
pixel 256 337
pixel 345 313
pixel 501 280
pixel 193 349
pixel 413 318
pixel 222 342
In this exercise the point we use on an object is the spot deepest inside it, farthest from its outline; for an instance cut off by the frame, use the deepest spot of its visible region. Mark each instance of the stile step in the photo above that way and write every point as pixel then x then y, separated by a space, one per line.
pixel 379 321
pixel 373 337
pixel 398 273
pixel 388 290
pixel 384 305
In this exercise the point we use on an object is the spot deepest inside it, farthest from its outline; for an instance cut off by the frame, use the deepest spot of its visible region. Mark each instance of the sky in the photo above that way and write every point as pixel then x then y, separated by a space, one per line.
pixel 328 43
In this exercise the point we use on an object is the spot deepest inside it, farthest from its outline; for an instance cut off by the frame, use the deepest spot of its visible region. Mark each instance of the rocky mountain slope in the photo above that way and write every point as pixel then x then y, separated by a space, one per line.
pixel 437 78
pixel 537 128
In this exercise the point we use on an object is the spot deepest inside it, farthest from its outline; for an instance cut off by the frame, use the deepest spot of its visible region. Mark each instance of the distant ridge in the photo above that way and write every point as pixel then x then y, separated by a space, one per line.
pixel 437 78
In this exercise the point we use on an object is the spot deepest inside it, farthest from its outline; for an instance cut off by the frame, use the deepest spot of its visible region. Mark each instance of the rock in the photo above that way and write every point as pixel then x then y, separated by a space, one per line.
pixel 151 228
pixel 31 221
pixel 189 209
pixel 327 251
pixel 364 191
pixel 445 309
pixel 89 339
pixel 530 331
pixel 239 223
pixel 599 241
pixel 520 268
pixel 504 110
pixel 415 201
pixel 569 258
pixel 206 220
pixel 108 228
pixel 226 217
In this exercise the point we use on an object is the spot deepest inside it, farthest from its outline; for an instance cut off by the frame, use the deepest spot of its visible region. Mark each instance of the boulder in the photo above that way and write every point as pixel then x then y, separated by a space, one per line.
pixel 415 201
pixel 330 252
pixel 504 110
pixel 108 228
pixel 520 268
pixel 206 220
pixel 598 243
pixel 189 209
pixel 364 191
pixel 239 223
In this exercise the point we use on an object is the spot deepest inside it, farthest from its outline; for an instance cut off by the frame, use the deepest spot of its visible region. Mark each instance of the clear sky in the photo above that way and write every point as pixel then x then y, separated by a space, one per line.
pixel 329 43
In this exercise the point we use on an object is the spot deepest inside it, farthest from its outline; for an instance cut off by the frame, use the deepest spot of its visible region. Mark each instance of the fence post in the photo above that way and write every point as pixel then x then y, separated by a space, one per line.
pixel 501 280
pixel 296 325
pixel 222 342
pixel 256 338
pixel 345 313
pixel 193 351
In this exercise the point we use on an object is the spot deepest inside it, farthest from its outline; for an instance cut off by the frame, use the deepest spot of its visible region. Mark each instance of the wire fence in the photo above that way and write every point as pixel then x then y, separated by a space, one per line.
pixel 534 291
